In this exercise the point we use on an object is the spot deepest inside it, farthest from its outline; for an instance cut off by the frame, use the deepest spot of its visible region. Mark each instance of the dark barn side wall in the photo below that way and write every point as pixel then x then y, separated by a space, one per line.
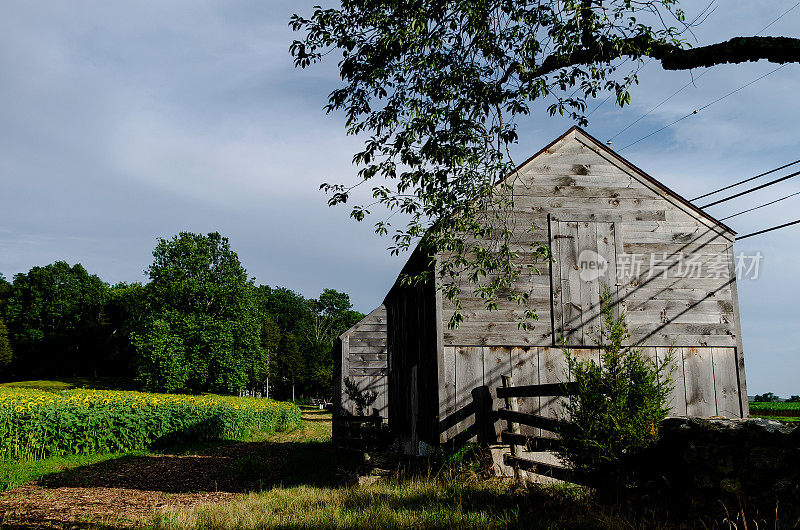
pixel 412 347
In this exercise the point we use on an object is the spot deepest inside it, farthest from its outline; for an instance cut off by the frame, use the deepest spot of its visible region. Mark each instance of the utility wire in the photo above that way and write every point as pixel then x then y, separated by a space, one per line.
pixel 687 85
pixel 768 230
pixel 757 207
pixel 751 190
pixel 640 118
pixel 600 105
pixel 777 19
pixel 696 111
pixel 746 180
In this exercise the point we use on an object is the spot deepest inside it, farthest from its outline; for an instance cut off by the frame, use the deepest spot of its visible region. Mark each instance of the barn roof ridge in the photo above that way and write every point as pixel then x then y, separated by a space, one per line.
pixel 663 188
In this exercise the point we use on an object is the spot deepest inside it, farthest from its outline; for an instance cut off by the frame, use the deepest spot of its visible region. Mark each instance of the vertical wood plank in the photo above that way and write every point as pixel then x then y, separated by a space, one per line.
pixel 623 282
pixel 469 374
pixel 347 403
pixel 447 395
pixel 552 369
pixel 367 384
pixel 726 385
pixel 414 409
pixel 742 380
pixel 608 280
pixel 699 377
pixel 446 362
pixel 525 371
pixel 381 402
pixel 677 398
pixel 571 285
pixel 496 364
pixel 590 287
pixel 555 283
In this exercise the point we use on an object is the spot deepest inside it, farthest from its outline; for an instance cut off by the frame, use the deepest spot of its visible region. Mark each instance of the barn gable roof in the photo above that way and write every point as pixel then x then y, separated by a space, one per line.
pixel 373 314
pixel 579 135
pixel 586 139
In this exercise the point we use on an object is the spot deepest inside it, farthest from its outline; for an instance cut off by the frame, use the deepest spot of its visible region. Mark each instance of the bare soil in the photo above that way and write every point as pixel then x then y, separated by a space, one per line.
pixel 128 491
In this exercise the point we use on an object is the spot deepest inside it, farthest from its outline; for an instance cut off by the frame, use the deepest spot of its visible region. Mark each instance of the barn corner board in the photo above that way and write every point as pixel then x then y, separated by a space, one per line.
pixel 668 265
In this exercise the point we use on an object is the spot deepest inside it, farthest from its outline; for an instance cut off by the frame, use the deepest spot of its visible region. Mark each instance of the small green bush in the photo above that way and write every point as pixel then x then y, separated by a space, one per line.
pixel 618 406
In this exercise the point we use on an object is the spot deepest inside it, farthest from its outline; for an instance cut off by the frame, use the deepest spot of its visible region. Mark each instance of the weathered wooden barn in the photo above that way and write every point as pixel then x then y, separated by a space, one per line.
pixel 670 267
pixel 360 355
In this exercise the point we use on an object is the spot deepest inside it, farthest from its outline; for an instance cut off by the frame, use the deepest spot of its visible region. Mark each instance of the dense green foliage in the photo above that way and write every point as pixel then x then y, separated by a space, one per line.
pixel 202 330
pixel 36 424
pixel 54 315
pixel 767 397
pixel 199 325
pixel 6 353
pixel 619 404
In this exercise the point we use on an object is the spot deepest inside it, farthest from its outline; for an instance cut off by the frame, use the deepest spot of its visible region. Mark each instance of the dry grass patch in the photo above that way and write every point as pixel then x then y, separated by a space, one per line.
pixel 433 503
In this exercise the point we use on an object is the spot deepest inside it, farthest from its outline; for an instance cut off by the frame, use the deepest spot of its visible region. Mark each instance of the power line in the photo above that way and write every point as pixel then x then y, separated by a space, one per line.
pixel 751 190
pixel 694 79
pixel 757 207
pixel 745 180
pixel 696 111
pixel 683 87
pixel 600 105
pixel 777 19
pixel 768 230
pixel 640 118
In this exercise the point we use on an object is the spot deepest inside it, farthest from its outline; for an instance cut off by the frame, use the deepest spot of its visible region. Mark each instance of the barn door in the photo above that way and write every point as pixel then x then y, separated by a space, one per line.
pixel 585 264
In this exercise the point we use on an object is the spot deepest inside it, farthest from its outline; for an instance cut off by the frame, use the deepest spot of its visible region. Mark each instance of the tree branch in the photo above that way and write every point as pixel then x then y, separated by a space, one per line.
pixel 736 50
pixel 672 57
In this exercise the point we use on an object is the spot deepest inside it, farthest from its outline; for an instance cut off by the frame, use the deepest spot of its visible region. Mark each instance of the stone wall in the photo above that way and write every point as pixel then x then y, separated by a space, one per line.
pixel 717 466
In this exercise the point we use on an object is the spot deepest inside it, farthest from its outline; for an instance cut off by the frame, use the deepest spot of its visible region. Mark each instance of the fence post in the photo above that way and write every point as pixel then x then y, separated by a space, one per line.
pixel 513 427
pixel 484 419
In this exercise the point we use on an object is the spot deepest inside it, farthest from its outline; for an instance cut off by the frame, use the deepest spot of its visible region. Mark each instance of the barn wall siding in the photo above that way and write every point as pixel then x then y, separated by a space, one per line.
pixel 671 266
pixel 704 380
pixel 362 357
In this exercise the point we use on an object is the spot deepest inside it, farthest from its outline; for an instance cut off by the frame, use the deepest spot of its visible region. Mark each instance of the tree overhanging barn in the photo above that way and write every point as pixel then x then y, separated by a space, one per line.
pixel 668 264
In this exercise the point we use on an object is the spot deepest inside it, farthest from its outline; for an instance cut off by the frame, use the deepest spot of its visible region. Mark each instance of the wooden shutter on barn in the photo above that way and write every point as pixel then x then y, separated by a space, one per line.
pixel 585 264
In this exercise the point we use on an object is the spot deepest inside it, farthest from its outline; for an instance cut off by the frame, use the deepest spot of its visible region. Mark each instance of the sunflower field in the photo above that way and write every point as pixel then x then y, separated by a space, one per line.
pixel 36 424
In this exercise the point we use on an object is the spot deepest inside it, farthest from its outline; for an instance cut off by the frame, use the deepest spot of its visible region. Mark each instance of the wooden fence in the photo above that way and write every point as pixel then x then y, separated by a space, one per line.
pixel 533 454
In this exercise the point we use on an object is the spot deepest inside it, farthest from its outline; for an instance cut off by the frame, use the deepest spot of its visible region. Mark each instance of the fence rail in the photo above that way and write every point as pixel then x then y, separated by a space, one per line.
pixel 518 442
pixel 531 420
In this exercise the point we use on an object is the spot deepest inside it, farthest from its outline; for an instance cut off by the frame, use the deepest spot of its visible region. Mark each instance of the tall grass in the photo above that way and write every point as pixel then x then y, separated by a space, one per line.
pixel 36 424
pixel 410 504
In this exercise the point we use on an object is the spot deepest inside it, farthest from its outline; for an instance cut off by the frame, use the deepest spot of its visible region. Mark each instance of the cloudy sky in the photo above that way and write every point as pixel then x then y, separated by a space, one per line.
pixel 124 121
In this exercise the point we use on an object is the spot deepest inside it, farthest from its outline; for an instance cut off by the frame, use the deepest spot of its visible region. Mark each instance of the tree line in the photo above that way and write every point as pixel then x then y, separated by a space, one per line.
pixel 198 325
